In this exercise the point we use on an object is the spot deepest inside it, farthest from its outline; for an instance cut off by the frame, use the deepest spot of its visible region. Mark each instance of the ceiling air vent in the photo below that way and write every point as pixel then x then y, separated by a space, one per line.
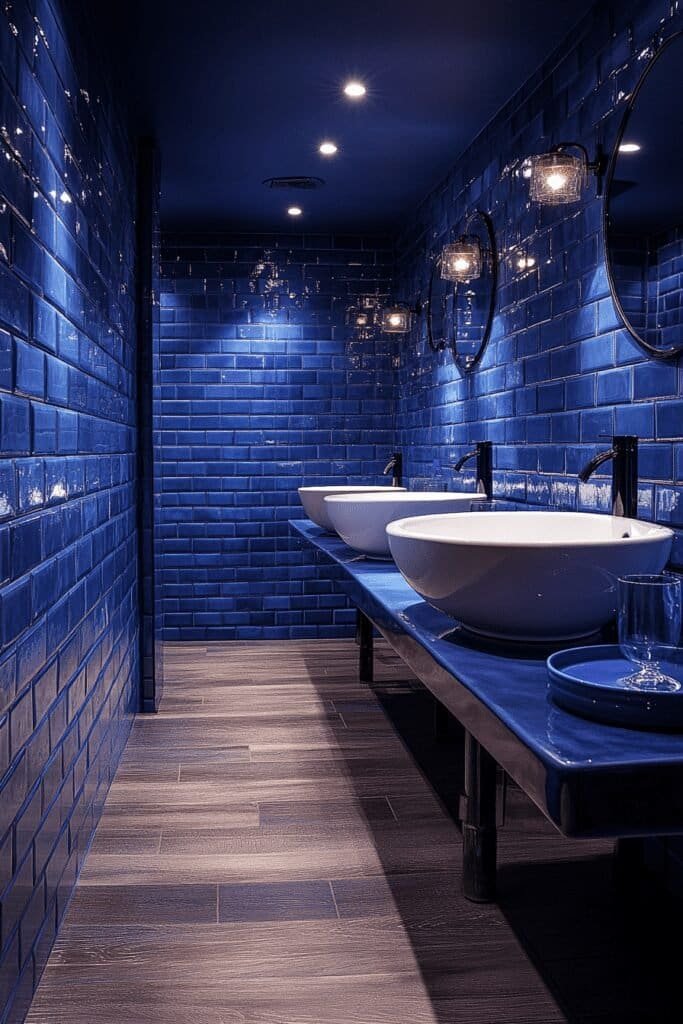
pixel 299 181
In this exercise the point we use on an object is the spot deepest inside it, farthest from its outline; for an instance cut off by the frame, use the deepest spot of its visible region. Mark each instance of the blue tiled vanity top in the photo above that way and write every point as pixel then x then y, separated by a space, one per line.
pixel 589 778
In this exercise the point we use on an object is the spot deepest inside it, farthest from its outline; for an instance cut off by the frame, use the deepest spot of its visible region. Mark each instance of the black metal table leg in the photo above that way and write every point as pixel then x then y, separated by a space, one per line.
pixel 478 813
pixel 364 635
pixel 442 721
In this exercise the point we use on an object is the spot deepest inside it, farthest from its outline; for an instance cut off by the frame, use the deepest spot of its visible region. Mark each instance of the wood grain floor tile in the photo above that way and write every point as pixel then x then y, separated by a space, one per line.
pixel 286 901
pixel 134 814
pixel 143 904
pixel 138 756
pixel 277 849
pixel 128 841
pixel 303 812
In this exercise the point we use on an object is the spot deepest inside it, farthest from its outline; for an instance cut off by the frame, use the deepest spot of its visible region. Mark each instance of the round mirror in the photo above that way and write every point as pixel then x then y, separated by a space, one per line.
pixel 475 296
pixel 644 208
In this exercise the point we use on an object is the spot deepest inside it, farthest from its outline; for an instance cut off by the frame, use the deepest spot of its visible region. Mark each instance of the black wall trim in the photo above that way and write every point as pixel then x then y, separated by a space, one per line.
pixel 147 285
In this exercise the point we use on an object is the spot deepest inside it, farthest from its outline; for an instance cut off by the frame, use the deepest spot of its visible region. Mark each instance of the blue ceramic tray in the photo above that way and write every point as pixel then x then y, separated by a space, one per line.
pixel 589 681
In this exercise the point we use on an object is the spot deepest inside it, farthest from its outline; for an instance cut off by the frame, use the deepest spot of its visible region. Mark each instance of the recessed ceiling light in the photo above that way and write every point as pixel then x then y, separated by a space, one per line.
pixel 327 148
pixel 629 147
pixel 355 90
pixel 295 211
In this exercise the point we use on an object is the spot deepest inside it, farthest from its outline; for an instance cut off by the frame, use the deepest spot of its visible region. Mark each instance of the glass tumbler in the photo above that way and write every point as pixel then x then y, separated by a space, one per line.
pixel 649 622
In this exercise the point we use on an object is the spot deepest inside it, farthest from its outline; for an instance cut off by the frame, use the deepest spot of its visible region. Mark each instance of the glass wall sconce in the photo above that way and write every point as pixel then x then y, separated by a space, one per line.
pixel 559 177
pixel 462 260
pixel 364 314
pixel 396 318
pixel 520 260
pixel 360 319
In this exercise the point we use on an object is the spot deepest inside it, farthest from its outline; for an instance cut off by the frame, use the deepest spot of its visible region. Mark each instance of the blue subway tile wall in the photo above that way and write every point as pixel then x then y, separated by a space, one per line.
pixel 262 388
pixel 68 605
pixel 560 373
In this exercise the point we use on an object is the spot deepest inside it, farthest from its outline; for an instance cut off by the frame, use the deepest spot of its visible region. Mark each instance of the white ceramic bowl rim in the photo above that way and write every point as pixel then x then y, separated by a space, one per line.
pixel 414 528
pixel 348 488
pixel 394 494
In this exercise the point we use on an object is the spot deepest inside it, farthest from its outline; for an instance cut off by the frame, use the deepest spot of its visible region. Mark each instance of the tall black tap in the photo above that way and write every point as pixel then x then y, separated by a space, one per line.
pixel 395 464
pixel 624 456
pixel 483 452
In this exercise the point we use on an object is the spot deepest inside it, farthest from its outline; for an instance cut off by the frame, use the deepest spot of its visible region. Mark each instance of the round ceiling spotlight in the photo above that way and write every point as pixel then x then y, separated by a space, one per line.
pixel 355 90
pixel 295 211
pixel 328 148
pixel 629 147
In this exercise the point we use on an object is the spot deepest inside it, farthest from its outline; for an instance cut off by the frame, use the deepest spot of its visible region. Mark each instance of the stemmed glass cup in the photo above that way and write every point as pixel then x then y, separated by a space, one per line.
pixel 649 621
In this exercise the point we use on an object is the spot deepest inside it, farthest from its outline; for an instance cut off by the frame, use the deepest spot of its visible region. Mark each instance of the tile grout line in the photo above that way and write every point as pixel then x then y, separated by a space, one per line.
pixel 334 899
pixel 391 808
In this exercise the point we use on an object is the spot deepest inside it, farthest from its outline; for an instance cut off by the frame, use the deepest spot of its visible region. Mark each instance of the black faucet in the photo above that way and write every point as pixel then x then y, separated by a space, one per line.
pixel 624 453
pixel 395 464
pixel 483 452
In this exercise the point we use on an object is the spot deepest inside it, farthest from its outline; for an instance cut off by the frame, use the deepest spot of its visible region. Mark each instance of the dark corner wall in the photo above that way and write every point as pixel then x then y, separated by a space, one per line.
pixel 560 374
pixel 262 388
pixel 68 604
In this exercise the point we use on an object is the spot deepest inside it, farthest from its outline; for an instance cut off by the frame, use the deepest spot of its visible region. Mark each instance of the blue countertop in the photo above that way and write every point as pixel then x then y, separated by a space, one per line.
pixel 588 778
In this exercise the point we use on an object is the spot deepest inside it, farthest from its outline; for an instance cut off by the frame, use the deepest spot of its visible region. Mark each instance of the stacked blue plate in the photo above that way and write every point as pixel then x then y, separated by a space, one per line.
pixel 591 681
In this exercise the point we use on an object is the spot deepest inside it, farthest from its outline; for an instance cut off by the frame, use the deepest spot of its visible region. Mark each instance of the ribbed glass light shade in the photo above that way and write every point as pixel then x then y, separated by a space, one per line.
pixel 557 178
pixel 462 260
pixel 396 319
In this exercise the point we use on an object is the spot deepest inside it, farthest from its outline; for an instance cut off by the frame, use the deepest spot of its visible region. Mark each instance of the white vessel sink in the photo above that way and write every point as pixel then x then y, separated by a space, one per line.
pixel 313 499
pixel 526 575
pixel 361 520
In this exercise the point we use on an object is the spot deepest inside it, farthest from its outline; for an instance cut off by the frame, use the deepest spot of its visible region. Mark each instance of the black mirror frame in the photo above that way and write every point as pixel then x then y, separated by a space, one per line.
pixel 659 46
pixel 492 256
pixel 436 269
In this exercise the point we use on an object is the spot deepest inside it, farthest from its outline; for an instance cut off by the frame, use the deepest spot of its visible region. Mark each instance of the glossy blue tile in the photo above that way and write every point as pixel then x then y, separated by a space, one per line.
pixel 614 386
pixel 654 380
pixel 14 302
pixel 669 419
pixel 15 610
pixel 6 362
pixel 44 428
pixel 15 421
pixel 25 546
pixel 30 370
pixel 57 381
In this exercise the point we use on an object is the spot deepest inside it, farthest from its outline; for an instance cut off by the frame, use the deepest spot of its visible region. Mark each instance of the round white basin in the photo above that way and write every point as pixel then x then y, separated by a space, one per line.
pixel 361 520
pixel 313 499
pixel 526 575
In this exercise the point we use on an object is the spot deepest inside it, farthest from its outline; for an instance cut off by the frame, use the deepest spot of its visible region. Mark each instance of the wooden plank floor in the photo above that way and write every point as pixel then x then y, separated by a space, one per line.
pixel 279 847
